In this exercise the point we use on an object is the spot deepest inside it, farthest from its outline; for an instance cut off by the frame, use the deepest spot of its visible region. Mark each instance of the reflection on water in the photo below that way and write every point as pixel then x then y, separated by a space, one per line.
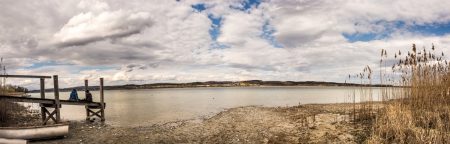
pixel 146 107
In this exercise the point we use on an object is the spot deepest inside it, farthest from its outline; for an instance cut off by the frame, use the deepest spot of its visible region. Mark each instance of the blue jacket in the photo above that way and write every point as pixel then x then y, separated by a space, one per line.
pixel 74 95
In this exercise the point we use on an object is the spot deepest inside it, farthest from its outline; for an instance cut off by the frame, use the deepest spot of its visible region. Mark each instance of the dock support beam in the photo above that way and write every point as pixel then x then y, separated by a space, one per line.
pixel 100 110
pixel 45 113
pixel 50 114
pixel 86 86
pixel 43 110
pixel 102 102
pixel 57 103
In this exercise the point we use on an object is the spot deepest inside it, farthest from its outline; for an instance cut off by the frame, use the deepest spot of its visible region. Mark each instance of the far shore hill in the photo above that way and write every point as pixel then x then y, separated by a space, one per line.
pixel 247 83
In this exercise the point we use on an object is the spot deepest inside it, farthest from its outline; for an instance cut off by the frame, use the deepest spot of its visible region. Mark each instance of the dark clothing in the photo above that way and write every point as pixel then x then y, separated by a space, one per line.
pixel 89 97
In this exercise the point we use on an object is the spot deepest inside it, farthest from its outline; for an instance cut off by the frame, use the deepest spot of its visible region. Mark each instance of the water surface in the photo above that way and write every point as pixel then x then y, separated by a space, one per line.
pixel 150 106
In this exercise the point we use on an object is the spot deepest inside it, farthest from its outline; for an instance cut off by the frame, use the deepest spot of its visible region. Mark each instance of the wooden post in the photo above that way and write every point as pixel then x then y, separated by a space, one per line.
pixel 57 103
pixel 102 102
pixel 43 97
pixel 86 86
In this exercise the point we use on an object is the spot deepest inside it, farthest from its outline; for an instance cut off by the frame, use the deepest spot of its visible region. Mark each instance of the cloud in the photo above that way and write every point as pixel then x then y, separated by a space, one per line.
pixel 93 5
pixel 88 27
pixel 303 22
pixel 240 27
pixel 145 41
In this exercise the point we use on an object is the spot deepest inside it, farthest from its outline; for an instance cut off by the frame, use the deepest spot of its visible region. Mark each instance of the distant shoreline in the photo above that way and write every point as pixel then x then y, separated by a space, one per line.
pixel 212 84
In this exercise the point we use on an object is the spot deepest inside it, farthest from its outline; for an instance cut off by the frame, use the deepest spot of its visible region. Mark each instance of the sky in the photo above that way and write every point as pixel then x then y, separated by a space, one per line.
pixel 151 41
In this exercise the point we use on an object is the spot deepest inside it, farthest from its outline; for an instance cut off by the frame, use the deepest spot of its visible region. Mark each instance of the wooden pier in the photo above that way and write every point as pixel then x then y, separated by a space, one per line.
pixel 50 108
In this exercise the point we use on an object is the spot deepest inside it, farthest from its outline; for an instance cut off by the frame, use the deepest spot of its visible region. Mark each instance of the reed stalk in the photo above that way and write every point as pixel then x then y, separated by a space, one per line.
pixel 417 109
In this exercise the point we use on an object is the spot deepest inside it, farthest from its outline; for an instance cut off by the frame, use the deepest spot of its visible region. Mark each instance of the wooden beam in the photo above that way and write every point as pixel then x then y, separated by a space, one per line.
pixel 42 90
pixel 87 113
pixel 42 81
pixel 25 76
pixel 27 100
pixel 102 102
pixel 92 113
pixel 47 101
pixel 44 112
pixel 57 102
pixel 50 116
pixel 86 86
pixel 67 102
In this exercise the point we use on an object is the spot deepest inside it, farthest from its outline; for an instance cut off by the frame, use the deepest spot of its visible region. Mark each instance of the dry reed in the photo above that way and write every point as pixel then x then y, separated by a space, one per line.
pixel 417 109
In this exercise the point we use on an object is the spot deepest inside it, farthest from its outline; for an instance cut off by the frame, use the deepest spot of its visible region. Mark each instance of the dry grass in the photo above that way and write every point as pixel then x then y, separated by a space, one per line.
pixel 418 111
pixel 13 114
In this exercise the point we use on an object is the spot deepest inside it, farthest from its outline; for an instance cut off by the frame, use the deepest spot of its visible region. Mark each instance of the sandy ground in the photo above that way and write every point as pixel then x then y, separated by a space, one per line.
pixel 299 124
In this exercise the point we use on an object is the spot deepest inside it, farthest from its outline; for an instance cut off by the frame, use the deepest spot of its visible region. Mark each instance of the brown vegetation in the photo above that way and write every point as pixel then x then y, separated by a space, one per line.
pixel 418 111
pixel 13 114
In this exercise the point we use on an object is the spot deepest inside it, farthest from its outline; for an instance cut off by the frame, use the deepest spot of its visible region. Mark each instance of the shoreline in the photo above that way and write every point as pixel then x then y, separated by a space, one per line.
pixel 93 88
pixel 310 123
pixel 245 83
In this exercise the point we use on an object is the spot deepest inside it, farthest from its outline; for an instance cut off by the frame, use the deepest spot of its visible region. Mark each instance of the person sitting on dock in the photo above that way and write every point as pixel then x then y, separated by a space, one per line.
pixel 74 95
pixel 88 96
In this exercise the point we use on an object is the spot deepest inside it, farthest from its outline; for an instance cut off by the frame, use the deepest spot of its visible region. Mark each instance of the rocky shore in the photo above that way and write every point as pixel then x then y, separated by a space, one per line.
pixel 300 124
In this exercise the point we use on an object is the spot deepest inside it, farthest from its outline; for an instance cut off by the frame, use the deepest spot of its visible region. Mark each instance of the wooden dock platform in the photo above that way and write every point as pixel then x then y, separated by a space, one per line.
pixel 47 101
pixel 92 108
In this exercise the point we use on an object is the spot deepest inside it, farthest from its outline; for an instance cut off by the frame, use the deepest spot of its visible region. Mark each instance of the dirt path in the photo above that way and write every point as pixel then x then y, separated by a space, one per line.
pixel 301 124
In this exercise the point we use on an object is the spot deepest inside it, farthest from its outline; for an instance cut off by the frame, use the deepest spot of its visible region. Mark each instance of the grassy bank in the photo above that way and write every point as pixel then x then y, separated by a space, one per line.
pixel 13 114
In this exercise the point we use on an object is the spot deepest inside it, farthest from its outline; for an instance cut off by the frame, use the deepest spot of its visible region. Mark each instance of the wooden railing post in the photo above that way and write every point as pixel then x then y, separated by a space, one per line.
pixel 43 97
pixel 57 103
pixel 102 102
pixel 86 86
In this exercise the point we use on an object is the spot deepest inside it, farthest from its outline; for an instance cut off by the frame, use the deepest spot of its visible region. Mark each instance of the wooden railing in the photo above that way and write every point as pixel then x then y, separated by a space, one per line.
pixel 56 102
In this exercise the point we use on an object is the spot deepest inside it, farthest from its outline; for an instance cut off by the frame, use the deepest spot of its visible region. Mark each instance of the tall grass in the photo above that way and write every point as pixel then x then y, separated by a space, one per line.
pixel 13 114
pixel 4 115
pixel 417 110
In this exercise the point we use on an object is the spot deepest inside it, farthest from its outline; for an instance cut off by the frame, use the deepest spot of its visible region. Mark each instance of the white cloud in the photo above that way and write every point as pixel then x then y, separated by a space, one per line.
pixel 93 5
pixel 240 27
pixel 154 41
pixel 85 28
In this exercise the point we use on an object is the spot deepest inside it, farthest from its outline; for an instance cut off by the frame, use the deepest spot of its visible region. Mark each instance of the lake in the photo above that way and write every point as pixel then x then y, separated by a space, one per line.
pixel 151 106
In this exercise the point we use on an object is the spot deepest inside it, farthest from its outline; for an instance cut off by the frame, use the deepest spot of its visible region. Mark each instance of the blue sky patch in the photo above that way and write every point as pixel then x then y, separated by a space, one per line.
pixel 45 64
pixel 82 68
pixel 199 7
pixel 249 3
pixel 431 29
pixel 364 36
pixel 246 5
pixel 219 45
pixel 214 31
pixel 434 29
pixel 267 34
pixel 75 69
pixel 216 23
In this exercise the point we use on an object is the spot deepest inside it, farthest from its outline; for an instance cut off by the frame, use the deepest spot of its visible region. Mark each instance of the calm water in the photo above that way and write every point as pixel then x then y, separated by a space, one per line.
pixel 146 107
